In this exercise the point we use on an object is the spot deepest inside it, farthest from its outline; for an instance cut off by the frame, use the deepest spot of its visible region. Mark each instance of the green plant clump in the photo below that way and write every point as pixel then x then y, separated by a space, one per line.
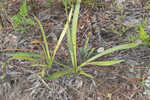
pixel 72 47
pixel 86 51
pixel 70 30
pixel 21 19
pixel 147 4
pixel 142 35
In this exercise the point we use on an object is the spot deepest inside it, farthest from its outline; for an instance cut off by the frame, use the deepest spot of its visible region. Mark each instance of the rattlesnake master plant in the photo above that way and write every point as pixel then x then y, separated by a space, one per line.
pixel 72 47
pixel 70 30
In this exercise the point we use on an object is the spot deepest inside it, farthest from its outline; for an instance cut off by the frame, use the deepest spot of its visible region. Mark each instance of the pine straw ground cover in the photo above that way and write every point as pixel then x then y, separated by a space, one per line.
pixel 106 25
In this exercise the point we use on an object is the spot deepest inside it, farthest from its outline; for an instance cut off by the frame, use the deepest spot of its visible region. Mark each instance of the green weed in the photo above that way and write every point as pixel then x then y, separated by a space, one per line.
pixel 21 19
pixel 47 57
pixel 142 34
pixel 72 47
pixel 121 29
pixel 86 51
pixel 70 30
pixel 2 70
pixel 147 4
pixel 143 80
pixel 109 95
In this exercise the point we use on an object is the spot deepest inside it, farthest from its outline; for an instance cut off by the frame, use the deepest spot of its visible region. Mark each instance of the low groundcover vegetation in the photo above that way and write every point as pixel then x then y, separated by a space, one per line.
pixel 70 30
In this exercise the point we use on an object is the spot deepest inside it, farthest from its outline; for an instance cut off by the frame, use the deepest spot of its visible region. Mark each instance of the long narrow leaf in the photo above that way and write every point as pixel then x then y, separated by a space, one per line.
pixel 24 58
pixel 41 65
pixel 69 41
pixel 105 63
pixel 74 31
pixel 90 52
pixel 57 75
pixel 43 71
pixel 3 66
pixel 46 56
pixel 87 75
pixel 86 43
pixel 62 35
pixel 45 42
pixel 69 36
pixel 65 66
pixel 29 54
pixel 120 47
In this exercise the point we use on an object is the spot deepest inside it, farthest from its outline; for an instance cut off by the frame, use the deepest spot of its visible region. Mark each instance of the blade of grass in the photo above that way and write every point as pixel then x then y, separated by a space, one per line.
pixel 41 65
pixel 58 74
pixel 90 53
pixel 24 58
pixel 45 42
pixel 74 31
pixel 3 66
pixel 65 66
pixel 62 35
pixel 43 71
pixel 105 63
pixel 69 35
pixel 69 42
pixel 85 74
pixel 46 57
pixel 120 47
pixel 86 43
pixel 24 54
